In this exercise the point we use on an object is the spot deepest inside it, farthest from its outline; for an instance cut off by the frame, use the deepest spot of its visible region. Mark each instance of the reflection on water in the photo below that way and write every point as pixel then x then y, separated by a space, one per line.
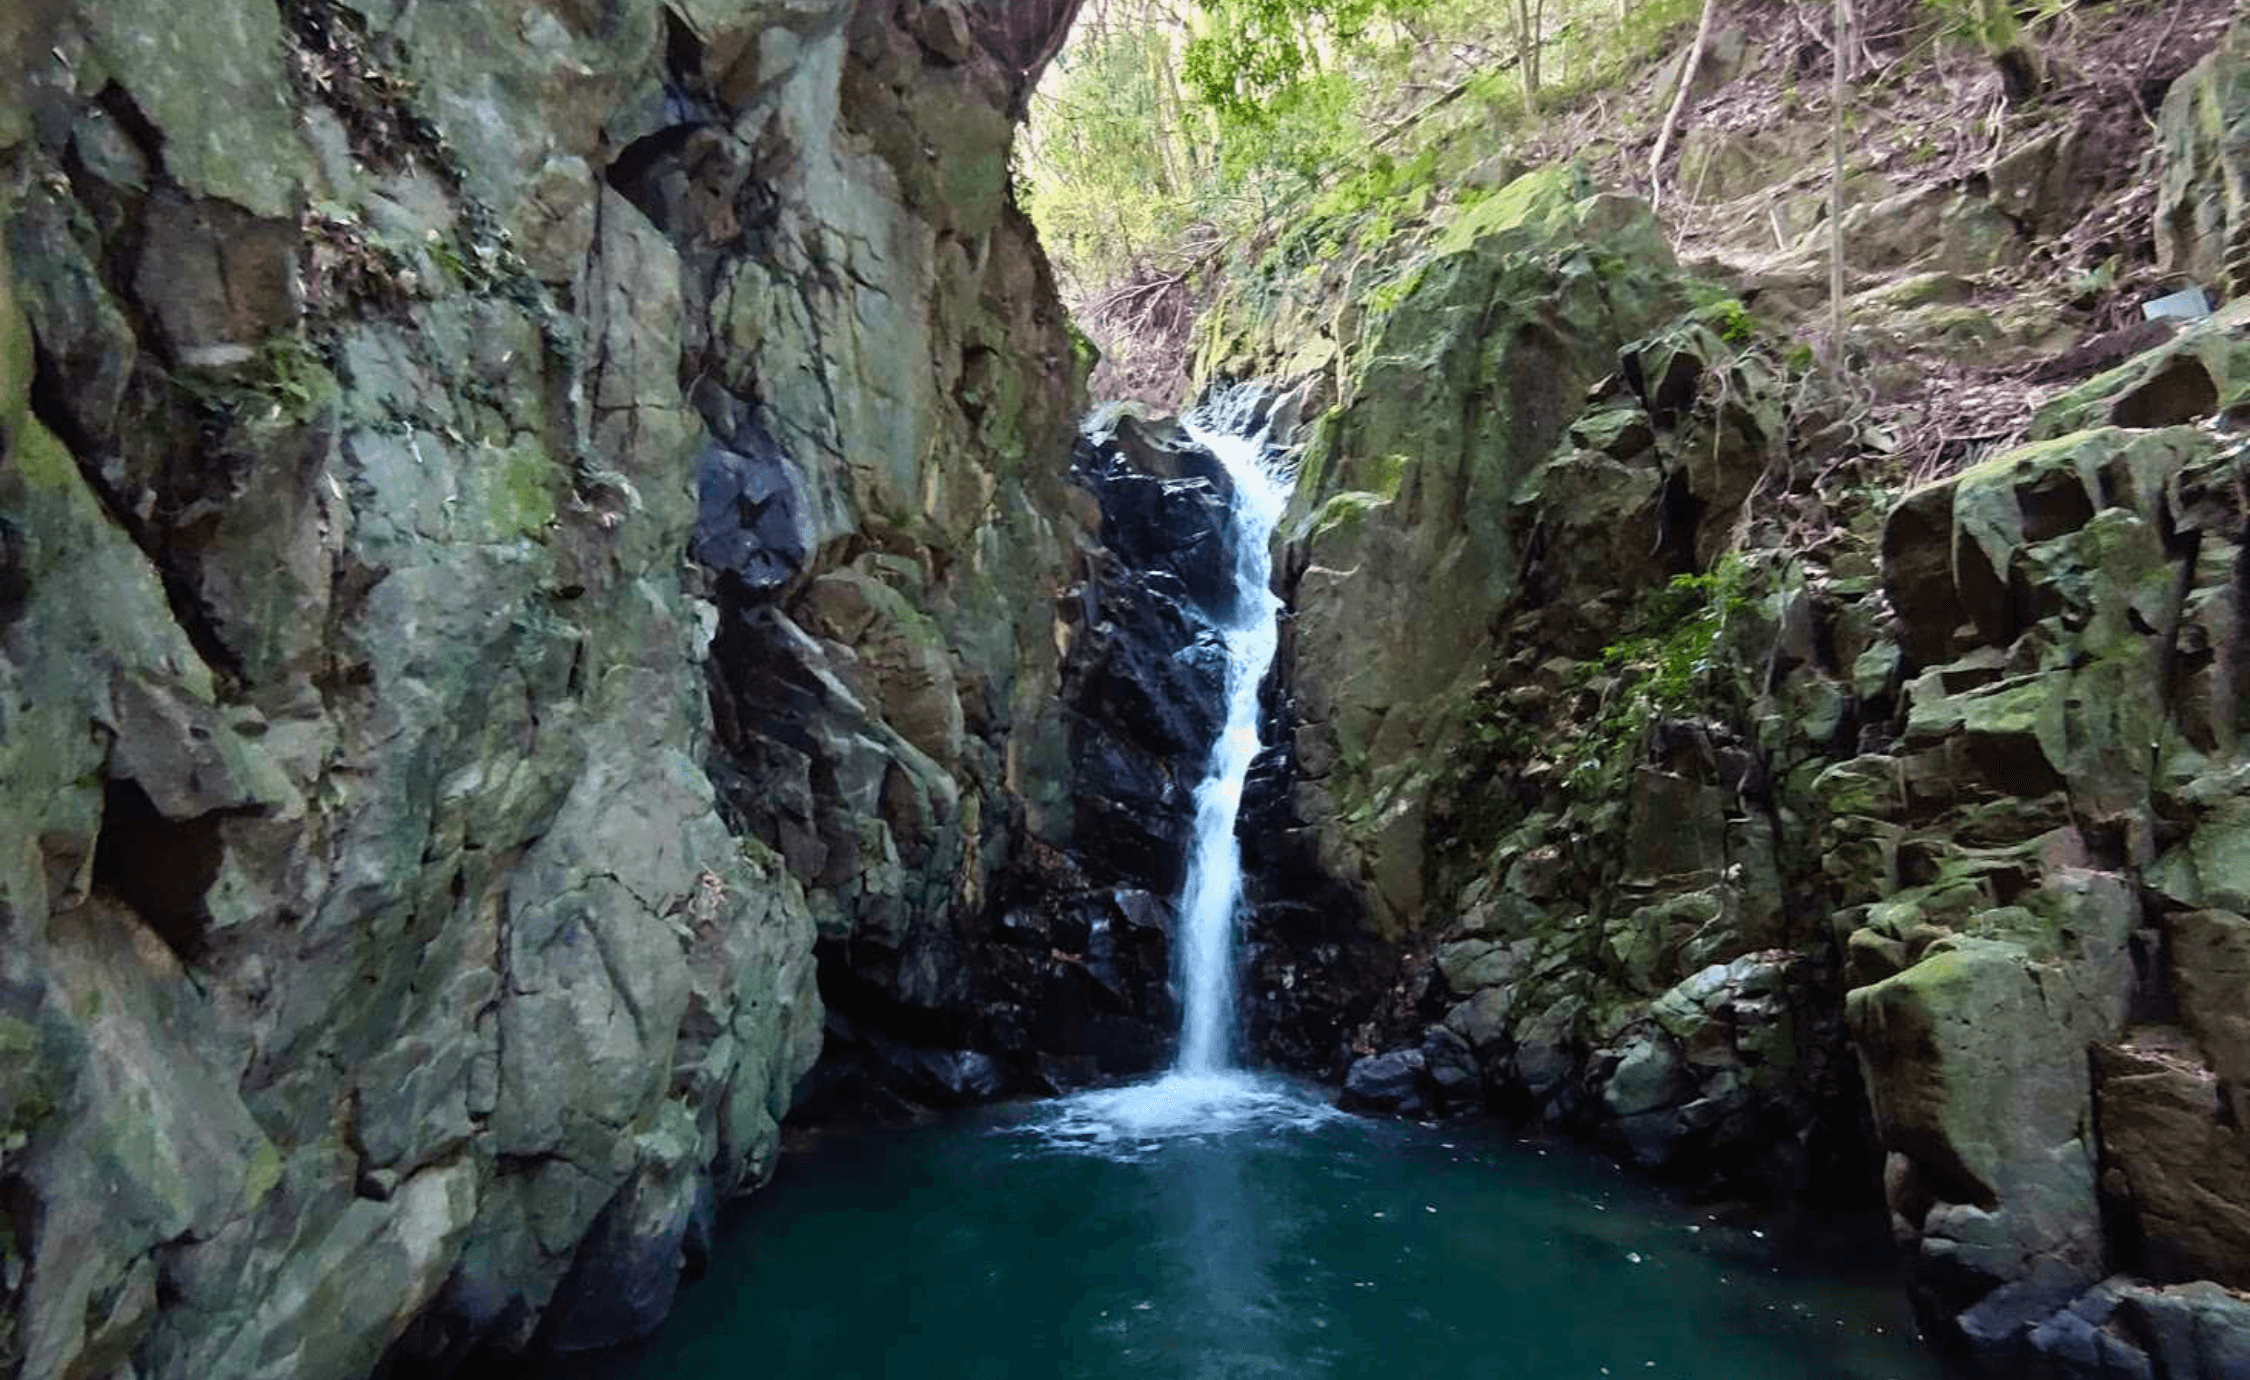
pixel 1229 1260
pixel 1193 1233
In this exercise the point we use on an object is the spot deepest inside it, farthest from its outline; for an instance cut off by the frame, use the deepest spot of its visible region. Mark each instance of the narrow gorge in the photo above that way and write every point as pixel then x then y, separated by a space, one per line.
pixel 572 630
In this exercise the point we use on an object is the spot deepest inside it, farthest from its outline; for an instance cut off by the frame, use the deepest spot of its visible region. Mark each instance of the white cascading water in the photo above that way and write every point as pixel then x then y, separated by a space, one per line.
pixel 1204 949
pixel 1205 1094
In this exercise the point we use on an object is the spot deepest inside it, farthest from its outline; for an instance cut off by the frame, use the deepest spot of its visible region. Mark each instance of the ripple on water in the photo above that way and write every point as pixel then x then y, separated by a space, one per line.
pixel 1131 1122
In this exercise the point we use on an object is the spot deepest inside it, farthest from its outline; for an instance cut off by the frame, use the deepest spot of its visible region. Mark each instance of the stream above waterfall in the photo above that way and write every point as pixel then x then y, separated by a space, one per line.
pixel 1098 1239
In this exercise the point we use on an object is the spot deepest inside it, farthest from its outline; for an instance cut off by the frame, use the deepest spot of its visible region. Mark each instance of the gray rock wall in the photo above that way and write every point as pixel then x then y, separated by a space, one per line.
pixel 379 971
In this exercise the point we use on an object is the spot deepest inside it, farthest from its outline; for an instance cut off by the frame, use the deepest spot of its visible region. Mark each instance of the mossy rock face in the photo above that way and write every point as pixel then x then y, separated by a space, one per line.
pixel 1404 517
pixel 1979 1082
pixel 2203 202
pixel 210 76
pixel 2204 372
pixel 17 361
pixel 1960 549
pixel 360 667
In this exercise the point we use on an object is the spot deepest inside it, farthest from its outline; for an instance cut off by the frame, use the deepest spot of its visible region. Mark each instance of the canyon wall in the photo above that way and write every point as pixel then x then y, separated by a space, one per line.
pixel 518 522
pixel 1788 823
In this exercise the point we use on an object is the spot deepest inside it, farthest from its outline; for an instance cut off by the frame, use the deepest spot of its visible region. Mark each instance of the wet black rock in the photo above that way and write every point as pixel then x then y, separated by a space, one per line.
pixel 1153 666
pixel 751 525
pixel 1147 677
pixel 1391 1082
pixel 621 1285
pixel 1456 1085
pixel 1045 989
pixel 2119 1329
pixel 866 1070
pixel 1134 809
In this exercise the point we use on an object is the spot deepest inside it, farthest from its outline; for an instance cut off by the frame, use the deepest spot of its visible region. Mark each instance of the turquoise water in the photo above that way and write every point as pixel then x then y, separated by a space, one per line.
pixel 1091 1240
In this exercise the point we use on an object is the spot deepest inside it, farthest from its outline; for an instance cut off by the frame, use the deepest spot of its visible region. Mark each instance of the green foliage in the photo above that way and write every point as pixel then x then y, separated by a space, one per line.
pixel 1687 650
pixel 1730 320
pixel 1114 171
pixel 1253 57
pixel 1671 662
pixel 1364 209
pixel 1991 25
pixel 1590 49
pixel 1676 657
pixel 1722 313
pixel 1299 131
pixel 285 382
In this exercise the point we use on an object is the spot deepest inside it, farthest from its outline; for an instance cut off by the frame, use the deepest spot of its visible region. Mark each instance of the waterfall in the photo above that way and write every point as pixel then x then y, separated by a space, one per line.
pixel 1204 952
pixel 1204 1094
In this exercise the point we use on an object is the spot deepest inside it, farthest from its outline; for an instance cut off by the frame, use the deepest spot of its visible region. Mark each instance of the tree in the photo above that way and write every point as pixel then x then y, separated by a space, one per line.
pixel 1111 117
pixel 1838 89
pixel 1249 56
pixel 1530 20
pixel 1679 103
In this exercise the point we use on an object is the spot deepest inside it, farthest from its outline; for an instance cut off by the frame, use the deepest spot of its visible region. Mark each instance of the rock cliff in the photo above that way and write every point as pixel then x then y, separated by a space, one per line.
pixel 1690 773
pixel 517 522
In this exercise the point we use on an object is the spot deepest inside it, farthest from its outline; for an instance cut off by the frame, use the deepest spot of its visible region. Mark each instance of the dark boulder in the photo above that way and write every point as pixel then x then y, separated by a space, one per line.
pixel 1456 1084
pixel 1391 1082
pixel 1132 807
pixel 2192 1330
pixel 1164 501
pixel 1147 677
pixel 621 1285
pixel 1153 667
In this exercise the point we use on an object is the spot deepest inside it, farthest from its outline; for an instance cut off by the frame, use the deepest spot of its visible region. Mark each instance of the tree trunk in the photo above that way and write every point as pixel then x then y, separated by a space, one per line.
pixel 1527 57
pixel 1679 103
pixel 1837 92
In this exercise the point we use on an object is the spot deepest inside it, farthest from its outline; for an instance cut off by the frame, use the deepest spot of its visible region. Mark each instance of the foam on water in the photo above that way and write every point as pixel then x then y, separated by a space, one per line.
pixel 1126 1123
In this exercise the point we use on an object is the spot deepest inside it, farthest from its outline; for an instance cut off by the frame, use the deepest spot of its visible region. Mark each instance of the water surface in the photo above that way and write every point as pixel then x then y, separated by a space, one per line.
pixel 1224 1228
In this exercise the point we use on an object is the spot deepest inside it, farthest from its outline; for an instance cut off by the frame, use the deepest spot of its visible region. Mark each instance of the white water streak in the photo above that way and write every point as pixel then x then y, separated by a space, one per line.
pixel 1205 950
pixel 1204 1096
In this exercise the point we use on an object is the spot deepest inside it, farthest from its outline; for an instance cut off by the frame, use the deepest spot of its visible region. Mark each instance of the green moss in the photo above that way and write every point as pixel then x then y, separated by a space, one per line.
pixel 27 1092
pixel 42 459
pixel 1861 786
pixel 522 492
pixel 1383 297
pixel 1672 660
pixel 1728 318
pixel 1345 512
pixel 286 383
pixel 1538 202
pixel 16 362
pixel 1082 348
pixel 263 1173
